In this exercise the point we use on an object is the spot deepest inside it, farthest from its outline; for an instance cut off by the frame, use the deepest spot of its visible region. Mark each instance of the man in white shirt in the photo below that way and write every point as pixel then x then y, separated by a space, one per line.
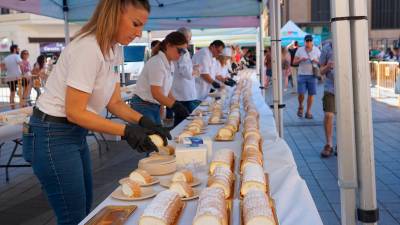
pixel 204 58
pixel 183 85
pixel 13 63
pixel 306 57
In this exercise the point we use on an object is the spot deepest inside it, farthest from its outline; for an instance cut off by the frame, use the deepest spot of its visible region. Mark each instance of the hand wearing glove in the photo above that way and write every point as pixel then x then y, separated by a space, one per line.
pixel 180 110
pixel 162 132
pixel 230 82
pixel 137 137
pixel 216 85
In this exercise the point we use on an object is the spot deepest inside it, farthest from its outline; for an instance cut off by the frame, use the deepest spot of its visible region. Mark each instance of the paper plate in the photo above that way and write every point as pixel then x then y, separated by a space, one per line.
pixel 155 181
pixel 167 182
pixel 147 192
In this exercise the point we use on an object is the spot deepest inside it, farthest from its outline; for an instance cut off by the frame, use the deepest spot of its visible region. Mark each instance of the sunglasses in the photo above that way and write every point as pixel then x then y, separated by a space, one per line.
pixel 308 40
pixel 181 51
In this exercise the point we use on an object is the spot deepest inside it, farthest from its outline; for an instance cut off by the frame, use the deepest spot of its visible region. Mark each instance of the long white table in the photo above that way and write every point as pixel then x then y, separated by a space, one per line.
pixel 294 203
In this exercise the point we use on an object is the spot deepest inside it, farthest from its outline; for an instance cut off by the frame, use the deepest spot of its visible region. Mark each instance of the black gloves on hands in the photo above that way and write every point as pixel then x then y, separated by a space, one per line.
pixel 216 85
pixel 180 110
pixel 230 82
pixel 156 129
pixel 137 137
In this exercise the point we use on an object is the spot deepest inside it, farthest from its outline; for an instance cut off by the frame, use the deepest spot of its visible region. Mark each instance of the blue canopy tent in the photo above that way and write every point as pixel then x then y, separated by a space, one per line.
pixel 291 32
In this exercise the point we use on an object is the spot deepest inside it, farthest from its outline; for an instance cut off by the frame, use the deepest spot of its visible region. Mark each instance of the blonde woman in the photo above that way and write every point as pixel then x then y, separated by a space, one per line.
pixel 82 84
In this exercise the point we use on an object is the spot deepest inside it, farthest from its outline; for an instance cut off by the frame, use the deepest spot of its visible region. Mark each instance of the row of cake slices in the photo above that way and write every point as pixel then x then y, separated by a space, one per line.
pixel 232 124
pixel 195 127
pixel 216 110
pixel 180 183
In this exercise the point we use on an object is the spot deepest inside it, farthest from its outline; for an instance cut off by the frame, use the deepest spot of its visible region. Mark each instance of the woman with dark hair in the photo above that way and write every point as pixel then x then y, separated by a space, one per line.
pixel 38 74
pixel 153 87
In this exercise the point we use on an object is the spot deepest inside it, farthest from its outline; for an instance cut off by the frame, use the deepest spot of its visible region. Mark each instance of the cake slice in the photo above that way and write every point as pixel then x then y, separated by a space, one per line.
pixel 157 140
pixel 163 210
pixel 141 176
pixel 253 178
pixel 183 175
pixel 222 157
pixel 185 134
pixel 131 189
pixel 211 208
pixel 225 133
pixel 257 209
pixel 182 188
pixel 222 178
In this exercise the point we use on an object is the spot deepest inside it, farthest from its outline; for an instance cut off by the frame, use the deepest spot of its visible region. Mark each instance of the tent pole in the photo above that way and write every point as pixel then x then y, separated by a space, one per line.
pixel 363 112
pixel 258 55
pixel 347 171
pixel 66 23
pixel 261 44
pixel 274 10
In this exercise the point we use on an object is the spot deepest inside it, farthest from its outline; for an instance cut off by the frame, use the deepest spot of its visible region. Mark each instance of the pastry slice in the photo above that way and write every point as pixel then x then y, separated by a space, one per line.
pixel 222 178
pixel 211 208
pixel 131 189
pixel 257 209
pixel 182 188
pixel 157 140
pixel 183 175
pixel 225 133
pixel 141 176
pixel 253 178
pixel 185 134
pixel 222 157
pixel 163 210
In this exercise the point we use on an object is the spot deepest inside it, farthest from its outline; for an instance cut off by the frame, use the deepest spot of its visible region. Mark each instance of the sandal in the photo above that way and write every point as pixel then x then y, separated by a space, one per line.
pixel 309 116
pixel 327 151
pixel 300 112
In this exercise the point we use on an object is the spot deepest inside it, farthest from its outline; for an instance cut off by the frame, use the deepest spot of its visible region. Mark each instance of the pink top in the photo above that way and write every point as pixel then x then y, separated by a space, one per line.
pixel 25 67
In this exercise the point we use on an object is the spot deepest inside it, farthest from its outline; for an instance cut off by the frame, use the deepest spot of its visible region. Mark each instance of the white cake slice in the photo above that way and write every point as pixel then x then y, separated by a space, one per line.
pixel 253 178
pixel 183 175
pixel 163 210
pixel 222 157
pixel 257 209
pixel 131 189
pixel 141 176
pixel 211 208
pixel 182 188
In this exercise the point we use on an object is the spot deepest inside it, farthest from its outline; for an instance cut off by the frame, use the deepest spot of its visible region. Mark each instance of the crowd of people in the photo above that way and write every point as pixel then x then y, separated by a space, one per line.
pixel 21 76
pixel 304 67
pixel 389 55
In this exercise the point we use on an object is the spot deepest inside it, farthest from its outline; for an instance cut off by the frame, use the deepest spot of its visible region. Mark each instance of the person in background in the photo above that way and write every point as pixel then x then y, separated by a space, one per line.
pixel 292 50
pixel 234 66
pixel 307 57
pixel 397 54
pixel 286 70
pixel 183 85
pixel 85 82
pixel 154 44
pixel 328 101
pixel 26 73
pixel 389 55
pixel 38 74
pixel 12 64
pixel 153 87
pixel 204 58
pixel 268 66
pixel 222 67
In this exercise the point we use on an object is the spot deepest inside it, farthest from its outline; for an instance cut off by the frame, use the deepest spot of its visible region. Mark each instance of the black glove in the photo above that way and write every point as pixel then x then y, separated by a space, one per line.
pixel 230 82
pixel 162 132
pixel 216 85
pixel 180 110
pixel 137 137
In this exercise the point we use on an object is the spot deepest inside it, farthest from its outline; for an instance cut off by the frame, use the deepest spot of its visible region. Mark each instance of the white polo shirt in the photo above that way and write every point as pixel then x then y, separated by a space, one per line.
pixel 204 59
pixel 82 66
pixel 156 72
pixel 305 68
pixel 183 85
pixel 12 62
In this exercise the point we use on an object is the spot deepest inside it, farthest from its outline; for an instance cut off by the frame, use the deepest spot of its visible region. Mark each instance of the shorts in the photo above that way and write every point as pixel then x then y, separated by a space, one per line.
pixel 307 83
pixel 328 102
pixel 14 84
pixel 269 72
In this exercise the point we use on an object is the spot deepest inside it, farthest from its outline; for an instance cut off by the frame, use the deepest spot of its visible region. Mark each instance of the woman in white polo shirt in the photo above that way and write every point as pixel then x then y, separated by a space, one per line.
pixel 82 84
pixel 153 87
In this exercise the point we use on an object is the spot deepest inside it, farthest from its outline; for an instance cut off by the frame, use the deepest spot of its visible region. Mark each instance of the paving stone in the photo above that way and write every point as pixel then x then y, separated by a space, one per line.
pixel 332 196
pixel 387 196
pixel 329 218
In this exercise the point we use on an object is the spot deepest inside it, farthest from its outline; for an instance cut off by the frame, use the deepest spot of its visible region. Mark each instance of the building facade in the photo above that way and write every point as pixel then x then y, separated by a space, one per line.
pixel 313 16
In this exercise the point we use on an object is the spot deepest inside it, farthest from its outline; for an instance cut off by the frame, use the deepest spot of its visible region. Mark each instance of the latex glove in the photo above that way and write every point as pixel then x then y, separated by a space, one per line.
pixel 159 130
pixel 180 109
pixel 216 85
pixel 137 137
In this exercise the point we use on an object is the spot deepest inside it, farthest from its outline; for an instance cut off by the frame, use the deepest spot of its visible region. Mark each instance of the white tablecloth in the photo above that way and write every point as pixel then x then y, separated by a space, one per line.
pixel 294 203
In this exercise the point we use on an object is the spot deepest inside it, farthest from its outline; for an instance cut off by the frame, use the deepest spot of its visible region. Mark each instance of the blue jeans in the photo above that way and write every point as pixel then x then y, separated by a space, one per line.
pixel 190 106
pixel 307 83
pixel 60 159
pixel 148 109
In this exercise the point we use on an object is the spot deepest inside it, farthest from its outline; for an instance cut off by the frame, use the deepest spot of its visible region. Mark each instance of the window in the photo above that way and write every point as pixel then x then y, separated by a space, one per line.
pixel 320 10
pixel 384 14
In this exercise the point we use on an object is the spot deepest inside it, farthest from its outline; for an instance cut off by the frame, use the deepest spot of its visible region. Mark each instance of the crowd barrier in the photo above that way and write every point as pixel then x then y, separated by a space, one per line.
pixel 384 75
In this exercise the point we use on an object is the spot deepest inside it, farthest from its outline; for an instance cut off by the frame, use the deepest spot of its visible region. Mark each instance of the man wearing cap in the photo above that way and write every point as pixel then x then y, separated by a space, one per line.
pixel 306 57
pixel 204 58
pixel 183 85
